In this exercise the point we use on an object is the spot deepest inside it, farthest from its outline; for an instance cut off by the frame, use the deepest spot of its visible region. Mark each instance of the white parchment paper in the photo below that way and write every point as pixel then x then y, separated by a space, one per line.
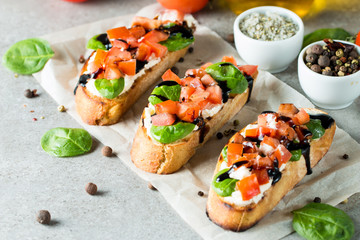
pixel 333 179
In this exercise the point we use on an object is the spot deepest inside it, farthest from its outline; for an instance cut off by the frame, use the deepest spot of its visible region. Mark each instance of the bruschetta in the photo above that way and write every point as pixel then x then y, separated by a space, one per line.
pixel 126 62
pixel 183 114
pixel 264 161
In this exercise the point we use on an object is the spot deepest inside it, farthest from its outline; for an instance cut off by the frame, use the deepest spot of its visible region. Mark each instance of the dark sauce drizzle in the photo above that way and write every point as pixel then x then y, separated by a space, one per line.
pixel 226 174
pixel 186 31
pixel 103 38
pixel 164 83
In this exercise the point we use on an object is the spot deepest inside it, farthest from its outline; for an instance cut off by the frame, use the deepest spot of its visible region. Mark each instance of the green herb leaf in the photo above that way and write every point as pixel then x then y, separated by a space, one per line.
pixel 169 92
pixel 223 188
pixel 315 128
pixel 110 88
pixel 95 44
pixel 224 153
pixel 317 221
pixel 28 56
pixel 171 133
pixel 224 71
pixel 320 34
pixel 295 155
pixel 177 42
pixel 169 25
pixel 66 142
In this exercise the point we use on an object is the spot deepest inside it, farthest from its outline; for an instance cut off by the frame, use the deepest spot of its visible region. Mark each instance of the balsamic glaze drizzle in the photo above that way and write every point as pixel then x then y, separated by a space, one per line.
pixel 103 38
pixel 226 174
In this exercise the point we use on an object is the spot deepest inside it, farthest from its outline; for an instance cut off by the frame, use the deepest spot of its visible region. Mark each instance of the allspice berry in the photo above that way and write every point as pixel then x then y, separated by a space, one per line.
pixel 324 61
pixel 28 93
pixel 106 151
pixel 316 68
pixel 317 49
pixel 43 217
pixel 311 58
pixel 91 188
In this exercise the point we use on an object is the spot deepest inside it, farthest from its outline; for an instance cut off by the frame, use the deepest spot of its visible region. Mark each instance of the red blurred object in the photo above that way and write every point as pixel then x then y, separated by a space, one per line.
pixel 357 41
pixel 75 0
pixel 186 6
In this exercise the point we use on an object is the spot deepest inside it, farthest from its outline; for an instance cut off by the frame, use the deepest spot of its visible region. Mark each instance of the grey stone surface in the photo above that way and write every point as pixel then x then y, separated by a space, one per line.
pixel 31 180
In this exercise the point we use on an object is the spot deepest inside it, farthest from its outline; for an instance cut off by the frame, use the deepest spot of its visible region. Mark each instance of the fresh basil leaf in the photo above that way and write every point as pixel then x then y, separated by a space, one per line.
pixel 95 44
pixel 295 155
pixel 66 142
pixel 223 188
pixel 28 56
pixel 110 88
pixel 317 221
pixel 315 128
pixel 177 42
pixel 171 133
pixel 320 34
pixel 224 153
pixel 224 71
pixel 169 25
pixel 169 92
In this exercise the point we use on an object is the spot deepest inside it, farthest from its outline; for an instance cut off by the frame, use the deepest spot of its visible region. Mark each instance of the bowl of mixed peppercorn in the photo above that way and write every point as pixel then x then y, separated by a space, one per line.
pixel 329 73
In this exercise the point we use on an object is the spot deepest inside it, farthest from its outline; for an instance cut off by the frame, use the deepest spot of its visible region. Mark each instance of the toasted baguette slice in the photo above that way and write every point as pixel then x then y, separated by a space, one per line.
pixel 96 110
pixel 152 156
pixel 237 218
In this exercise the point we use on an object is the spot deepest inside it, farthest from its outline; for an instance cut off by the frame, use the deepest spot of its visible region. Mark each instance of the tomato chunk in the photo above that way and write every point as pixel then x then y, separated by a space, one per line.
pixel 249 187
pixel 282 154
pixel 120 44
pixel 168 106
pixel 215 94
pixel 248 69
pixel 146 22
pixel 137 32
pixel 262 162
pixel 163 119
pixel 267 120
pixel 235 148
pixel 119 33
pixel 207 80
pixel 188 112
pixel 284 130
pixel 229 59
pixel 273 142
pixel 143 52
pixel 116 54
pixel 261 175
pixel 203 67
pixel 250 156
pixel 98 61
pixel 238 138
pixel 156 48
pixel 195 73
pixel 266 131
pixel 196 83
pixel 287 110
pixel 252 132
pixel 300 118
pixel 128 67
pixel 170 75
pixel 199 95
pixel 172 15
pixel 185 93
pixel 112 73
pixel 155 36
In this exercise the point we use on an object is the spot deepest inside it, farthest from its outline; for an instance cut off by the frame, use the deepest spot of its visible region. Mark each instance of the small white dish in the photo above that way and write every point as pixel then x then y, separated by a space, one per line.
pixel 272 56
pixel 329 92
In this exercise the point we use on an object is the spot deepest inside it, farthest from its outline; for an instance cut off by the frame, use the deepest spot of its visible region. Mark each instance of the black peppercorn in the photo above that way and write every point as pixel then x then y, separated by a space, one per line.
pixel 324 61
pixel 311 58
pixel 175 70
pixel 345 156
pixel 191 49
pixel 219 135
pixel 317 49
pixel 317 200
pixel 230 38
pixel 181 59
pixel 201 193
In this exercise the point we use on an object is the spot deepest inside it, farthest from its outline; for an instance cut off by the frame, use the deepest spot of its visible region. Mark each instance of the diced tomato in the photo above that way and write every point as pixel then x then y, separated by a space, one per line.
pixel 98 62
pixel 143 52
pixel 172 15
pixel 156 48
pixel 146 22
pixel 249 187
pixel 250 156
pixel 249 147
pixel 273 142
pixel 120 44
pixel 234 152
pixel 168 106
pixel 163 119
pixel 128 67
pixel 262 162
pixel 195 73
pixel 266 119
pixel 252 132
pixel 215 94
pixel 238 138
pixel 282 154
pixel 261 175
pixel 203 67
pixel 206 104
pixel 112 73
pixel 116 54
pixel 248 69
pixel 284 130
pixel 188 112
pixel 137 32
pixel 155 36
pixel 207 80
pixel 300 118
pixel 287 110
pixel 229 59
pixel 170 75
pixel 186 81
pixel 266 131
pixel 185 93
pixel 196 83
pixel 199 95
pixel 119 33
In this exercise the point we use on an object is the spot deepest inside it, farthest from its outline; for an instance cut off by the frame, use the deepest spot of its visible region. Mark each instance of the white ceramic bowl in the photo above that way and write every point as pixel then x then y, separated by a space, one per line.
pixel 329 92
pixel 272 56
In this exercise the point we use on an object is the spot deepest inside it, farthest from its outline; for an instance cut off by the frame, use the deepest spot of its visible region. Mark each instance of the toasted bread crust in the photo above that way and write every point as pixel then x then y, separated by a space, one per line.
pixel 154 157
pixel 95 110
pixel 241 218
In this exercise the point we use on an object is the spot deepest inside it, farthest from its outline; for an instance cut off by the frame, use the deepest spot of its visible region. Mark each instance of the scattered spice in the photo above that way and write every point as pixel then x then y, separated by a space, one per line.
pixel 34 119
pixel 191 49
pixel 16 75
pixel 236 122
pixel 175 70
pixel 317 200
pixel 43 217
pixel 106 151
pixel 42 117
pixel 230 38
pixel 61 108
pixel 200 193
pixel 219 135
pixel 32 111
pixel 228 132
pixel 30 93
pixel 81 59
pixel 24 105
pixel 91 188
pixel 345 201
pixel 345 156
pixel 150 186
pixel 181 59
